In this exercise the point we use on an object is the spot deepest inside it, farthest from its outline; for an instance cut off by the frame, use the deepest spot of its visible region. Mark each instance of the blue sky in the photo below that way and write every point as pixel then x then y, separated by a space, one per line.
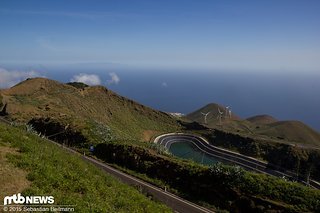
pixel 207 34
pixel 272 45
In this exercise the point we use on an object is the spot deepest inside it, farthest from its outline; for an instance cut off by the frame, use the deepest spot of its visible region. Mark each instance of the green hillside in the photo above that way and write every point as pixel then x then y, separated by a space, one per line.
pixel 295 131
pixel 33 166
pixel 260 126
pixel 212 118
pixel 90 110
pixel 1 104
pixel 79 113
pixel 262 119
pixel 231 123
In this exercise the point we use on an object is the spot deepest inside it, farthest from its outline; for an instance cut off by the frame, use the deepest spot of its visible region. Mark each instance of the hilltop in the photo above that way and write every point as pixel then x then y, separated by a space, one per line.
pixel 229 121
pixel 291 131
pixel 82 112
pixel 262 119
pixel 264 126
pixel 212 117
pixel 91 110
pixel 98 114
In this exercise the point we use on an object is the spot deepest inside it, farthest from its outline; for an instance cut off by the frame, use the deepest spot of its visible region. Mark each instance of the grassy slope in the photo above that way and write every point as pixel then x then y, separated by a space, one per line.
pixel 233 124
pixel 291 131
pixel 83 108
pixel 264 127
pixel 212 117
pixel 53 171
pixel 262 119
pixel 212 184
pixel 1 104
pixel 12 179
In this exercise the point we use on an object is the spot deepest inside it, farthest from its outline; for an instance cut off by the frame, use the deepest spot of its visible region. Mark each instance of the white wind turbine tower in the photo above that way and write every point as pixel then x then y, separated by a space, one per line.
pixel 220 115
pixel 228 112
pixel 205 116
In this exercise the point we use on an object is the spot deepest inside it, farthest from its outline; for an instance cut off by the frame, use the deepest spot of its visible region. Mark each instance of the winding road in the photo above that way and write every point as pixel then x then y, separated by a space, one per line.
pixel 176 203
pixel 226 156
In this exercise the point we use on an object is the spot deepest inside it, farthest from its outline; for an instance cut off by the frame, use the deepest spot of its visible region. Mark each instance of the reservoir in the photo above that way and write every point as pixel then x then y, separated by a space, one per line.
pixel 188 150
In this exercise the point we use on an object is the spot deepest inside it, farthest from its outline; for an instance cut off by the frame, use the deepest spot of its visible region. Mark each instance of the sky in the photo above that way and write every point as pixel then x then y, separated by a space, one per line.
pixel 259 56
pixel 261 36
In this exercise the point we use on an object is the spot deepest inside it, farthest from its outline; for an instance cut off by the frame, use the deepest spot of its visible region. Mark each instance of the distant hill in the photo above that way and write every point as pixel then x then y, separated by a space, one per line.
pixel 264 126
pixel 262 119
pixel 85 108
pixel 231 123
pixel 292 131
pixel 213 116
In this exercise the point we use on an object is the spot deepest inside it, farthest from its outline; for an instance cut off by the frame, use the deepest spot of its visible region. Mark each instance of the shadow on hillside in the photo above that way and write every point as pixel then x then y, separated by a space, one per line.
pixel 58 132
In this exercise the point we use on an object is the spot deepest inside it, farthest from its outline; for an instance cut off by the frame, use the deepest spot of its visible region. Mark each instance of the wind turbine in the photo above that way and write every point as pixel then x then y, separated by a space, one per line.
pixel 205 116
pixel 220 115
pixel 228 112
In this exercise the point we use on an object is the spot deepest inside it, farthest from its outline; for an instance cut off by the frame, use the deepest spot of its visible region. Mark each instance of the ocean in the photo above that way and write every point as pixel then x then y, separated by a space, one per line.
pixel 284 95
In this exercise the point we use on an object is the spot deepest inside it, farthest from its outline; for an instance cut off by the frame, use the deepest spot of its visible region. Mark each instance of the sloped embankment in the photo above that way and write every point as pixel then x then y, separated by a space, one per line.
pixel 225 187
pixel 72 181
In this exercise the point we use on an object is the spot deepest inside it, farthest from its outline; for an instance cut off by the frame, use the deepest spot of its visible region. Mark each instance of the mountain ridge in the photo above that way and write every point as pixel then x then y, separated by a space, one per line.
pixel 83 107
pixel 259 125
pixel 262 119
pixel 214 109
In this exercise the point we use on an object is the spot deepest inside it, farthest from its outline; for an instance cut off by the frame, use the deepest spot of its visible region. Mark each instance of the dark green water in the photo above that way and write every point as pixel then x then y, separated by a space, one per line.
pixel 189 151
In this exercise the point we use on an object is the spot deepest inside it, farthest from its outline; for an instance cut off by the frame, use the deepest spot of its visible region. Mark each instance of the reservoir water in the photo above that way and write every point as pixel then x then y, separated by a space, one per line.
pixel 189 151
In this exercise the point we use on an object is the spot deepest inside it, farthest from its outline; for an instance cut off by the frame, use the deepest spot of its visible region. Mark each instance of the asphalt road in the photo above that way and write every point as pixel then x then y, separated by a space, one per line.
pixel 226 156
pixel 174 202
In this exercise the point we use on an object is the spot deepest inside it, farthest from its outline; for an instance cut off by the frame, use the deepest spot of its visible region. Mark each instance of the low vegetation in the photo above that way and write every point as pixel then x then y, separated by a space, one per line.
pixel 78 85
pixel 226 187
pixel 261 126
pixel 1 104
pixel 78 115
pixel 54 171
pixel 84 108
pixel 12 179
pixel 304 162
